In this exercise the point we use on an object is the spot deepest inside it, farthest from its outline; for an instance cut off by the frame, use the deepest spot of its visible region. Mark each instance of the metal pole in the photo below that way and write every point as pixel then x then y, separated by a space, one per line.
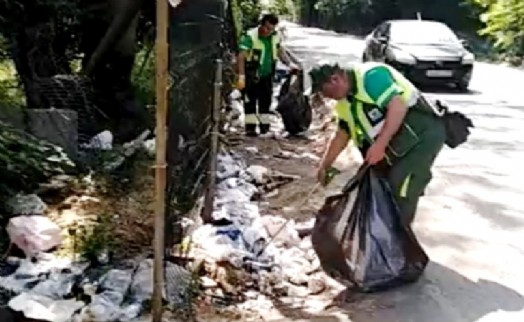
pixel 215 112
pixel 162 14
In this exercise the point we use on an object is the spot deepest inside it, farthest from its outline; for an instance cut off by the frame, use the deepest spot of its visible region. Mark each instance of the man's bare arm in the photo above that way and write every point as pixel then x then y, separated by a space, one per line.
pixel 283 56
pixel 396 112
pixel 241 63
pixel 337 144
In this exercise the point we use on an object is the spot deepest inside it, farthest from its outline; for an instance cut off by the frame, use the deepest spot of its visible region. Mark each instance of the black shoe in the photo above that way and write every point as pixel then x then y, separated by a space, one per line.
pixel 264 128
pixel 251 130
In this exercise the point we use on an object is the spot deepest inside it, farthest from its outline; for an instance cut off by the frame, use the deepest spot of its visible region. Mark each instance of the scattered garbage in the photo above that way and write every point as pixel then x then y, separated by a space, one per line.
pixel 233 250
pixel 361 241
pixel 237 245
pixel 101 141
pixel 45 289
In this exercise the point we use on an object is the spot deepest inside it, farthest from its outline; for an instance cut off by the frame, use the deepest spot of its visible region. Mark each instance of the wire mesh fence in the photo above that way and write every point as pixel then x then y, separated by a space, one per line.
pixel 201 38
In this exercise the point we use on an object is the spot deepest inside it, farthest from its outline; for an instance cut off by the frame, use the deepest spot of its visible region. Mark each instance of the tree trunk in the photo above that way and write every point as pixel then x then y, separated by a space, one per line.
pixel 35 49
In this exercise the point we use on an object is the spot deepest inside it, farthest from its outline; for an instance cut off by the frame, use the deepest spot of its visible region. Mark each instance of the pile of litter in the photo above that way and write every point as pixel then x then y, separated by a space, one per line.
pixel 240 260
pixel 45 287
pixel 57 290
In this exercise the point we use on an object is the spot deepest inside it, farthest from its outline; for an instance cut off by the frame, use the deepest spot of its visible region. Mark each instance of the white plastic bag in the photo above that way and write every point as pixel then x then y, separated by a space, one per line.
pixel 34 234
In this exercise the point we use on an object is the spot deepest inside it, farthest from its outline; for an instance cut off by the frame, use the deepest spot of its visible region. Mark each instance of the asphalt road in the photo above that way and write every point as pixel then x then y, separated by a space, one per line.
pixel 471 221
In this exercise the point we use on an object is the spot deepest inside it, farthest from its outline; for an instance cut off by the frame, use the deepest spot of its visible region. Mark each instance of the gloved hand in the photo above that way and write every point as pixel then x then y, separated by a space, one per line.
pixel 241 83
pixel 326 174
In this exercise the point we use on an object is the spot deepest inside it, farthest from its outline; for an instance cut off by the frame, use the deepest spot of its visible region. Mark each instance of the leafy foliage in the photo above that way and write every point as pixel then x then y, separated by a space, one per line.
pixel 96 238
pixel 143 75
pixel 504 23
pixel 11 95
pixel 282 7
pixel 250 12
pixel 26 161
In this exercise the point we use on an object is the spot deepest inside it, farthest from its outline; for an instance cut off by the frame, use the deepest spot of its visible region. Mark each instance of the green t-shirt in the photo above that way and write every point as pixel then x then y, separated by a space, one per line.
pixel 266 66
pixel 381 88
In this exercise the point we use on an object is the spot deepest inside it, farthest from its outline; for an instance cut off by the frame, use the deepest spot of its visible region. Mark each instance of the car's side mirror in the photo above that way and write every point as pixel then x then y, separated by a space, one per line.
pixel 464 43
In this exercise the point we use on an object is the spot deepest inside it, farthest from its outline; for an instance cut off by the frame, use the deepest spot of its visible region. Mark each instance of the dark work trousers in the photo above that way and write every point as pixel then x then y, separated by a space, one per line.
pixel 409 175
pixel 258 93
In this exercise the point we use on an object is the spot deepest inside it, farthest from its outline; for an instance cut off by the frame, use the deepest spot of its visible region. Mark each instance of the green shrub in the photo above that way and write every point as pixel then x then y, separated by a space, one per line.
pixel 143 75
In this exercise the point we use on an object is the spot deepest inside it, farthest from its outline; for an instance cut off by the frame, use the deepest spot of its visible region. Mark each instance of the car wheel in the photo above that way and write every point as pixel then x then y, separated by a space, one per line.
pixel 462 86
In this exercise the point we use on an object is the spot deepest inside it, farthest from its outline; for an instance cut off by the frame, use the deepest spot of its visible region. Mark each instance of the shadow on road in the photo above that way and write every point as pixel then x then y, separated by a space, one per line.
pixel 441 295
pixel 449 90
pixel 294 313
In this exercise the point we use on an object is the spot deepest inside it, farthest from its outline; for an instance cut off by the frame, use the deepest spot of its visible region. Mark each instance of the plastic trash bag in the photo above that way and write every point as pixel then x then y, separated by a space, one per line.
pixel 34 234
pixel 360 240
pixel 457 126
pixel 293 105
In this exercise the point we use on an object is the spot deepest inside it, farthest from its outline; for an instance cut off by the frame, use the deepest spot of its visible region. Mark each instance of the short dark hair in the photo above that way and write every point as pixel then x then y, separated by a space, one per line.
pixel 269 17
pixel 321 74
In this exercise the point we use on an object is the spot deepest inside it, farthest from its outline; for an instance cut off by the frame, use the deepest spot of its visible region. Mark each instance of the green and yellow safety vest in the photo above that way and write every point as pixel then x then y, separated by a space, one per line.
pixel 364 118
pixel 259 45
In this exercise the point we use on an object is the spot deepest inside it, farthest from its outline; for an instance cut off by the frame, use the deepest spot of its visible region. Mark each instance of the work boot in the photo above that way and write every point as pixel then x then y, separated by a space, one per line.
pixel 264 128
pixel 251 130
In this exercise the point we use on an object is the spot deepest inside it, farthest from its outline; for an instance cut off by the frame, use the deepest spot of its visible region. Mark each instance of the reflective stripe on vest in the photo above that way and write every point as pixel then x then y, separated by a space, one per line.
pixel 358 129
pixel 410 93
pixel 259 45
pixel 343 111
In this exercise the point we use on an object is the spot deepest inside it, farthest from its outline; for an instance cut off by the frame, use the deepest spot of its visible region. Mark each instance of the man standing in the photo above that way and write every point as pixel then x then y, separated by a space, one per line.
pixel 391 123
pixel 260 49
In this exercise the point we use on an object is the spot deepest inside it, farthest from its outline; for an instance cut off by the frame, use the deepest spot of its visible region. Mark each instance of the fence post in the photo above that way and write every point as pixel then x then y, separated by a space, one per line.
pixel 207 213
pixel 162 14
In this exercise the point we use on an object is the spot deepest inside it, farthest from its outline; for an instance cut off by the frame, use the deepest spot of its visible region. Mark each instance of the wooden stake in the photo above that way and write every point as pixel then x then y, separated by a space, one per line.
pixel 162 18
pixel 207 212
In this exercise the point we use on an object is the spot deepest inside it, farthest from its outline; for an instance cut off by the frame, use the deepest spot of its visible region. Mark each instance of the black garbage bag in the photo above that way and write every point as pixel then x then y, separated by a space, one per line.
pixel 457 125
pixel 360 241
pixel 293 106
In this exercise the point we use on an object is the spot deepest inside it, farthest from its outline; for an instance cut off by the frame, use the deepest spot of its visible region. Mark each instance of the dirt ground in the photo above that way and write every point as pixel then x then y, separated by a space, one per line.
pixel 113 215
pixel 298 156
